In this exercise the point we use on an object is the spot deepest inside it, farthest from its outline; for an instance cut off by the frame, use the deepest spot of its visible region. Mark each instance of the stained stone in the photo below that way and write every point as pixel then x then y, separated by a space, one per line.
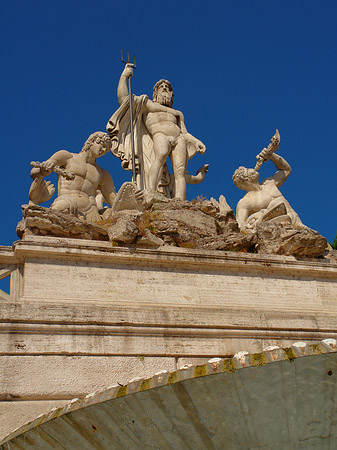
pixel 47 222
pixel 284 240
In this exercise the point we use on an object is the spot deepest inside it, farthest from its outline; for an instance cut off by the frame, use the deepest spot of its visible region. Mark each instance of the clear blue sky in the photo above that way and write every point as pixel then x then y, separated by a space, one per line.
pixel 239 71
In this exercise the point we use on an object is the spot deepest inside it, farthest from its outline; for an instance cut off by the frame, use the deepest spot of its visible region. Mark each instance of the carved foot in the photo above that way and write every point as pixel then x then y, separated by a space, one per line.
pixel 150 197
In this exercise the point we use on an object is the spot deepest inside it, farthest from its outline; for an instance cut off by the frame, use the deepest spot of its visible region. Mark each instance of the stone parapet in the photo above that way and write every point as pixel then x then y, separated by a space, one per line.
pixel 90 298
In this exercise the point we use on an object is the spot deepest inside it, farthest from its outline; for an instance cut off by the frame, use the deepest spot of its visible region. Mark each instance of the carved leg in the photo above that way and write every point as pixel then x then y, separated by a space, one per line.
pixel 179 163
pixel 162 148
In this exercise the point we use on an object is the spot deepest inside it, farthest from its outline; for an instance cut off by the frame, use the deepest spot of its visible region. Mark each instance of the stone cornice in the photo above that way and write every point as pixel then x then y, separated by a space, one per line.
pixel 79 249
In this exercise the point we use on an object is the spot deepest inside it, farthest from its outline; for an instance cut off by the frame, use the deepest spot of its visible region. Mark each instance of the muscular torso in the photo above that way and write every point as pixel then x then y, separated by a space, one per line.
pixel 163 122
pixel 87 179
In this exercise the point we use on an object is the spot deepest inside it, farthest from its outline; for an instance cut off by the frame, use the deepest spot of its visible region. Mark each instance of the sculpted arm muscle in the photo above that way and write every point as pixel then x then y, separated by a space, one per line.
pixel 284 170
pixel 122 89
pixel 200 147
pixel 157 107
pixel 107 188
pixel 60 158
pixel 242 212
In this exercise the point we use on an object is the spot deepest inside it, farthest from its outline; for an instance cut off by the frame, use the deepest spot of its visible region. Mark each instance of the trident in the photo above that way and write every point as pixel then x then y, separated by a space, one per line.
pixel 133 65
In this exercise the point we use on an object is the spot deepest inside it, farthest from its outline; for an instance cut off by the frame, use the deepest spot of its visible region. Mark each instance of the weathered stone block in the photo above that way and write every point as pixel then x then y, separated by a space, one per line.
pixel 279 239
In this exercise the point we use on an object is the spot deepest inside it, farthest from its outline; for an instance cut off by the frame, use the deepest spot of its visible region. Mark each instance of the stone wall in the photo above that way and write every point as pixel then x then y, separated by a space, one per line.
pixel 83 315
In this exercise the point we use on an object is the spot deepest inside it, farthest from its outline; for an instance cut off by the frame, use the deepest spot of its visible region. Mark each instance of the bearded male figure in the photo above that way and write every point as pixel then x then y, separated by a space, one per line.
pixel 159 132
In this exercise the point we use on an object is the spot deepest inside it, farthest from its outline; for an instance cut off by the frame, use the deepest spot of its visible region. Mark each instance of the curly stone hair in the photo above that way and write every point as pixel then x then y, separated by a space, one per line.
pixel 99 137
pixel 243 174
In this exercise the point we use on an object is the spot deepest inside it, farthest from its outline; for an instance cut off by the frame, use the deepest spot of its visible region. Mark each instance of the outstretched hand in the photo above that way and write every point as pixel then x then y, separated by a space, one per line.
pixel 41 191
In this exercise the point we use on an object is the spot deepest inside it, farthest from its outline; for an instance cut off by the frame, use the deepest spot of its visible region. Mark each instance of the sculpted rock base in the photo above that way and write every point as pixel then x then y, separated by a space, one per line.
pixel 284 240
pixel 47 222
pixel 201 224
pixel 124 228
pixel 197 224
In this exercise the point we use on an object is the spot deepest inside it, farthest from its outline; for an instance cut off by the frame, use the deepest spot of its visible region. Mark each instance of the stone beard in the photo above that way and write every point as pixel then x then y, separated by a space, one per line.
pixel 164 98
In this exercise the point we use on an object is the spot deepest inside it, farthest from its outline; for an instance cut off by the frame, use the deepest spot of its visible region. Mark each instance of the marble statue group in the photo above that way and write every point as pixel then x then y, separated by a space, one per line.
pixel 143 134
pixel 160 132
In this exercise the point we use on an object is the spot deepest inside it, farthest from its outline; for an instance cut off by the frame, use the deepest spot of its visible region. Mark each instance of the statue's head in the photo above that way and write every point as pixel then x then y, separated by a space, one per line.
pixel 163 93
pixel 244 177
pixel 102 139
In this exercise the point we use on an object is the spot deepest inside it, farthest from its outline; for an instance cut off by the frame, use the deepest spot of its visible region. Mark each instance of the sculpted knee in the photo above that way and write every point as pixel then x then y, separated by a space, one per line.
pixel 60 206
pixel 161 152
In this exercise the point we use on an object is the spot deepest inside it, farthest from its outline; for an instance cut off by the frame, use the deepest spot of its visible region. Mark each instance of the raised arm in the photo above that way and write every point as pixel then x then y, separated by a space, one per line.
pixel 284 169
pixel 122 90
